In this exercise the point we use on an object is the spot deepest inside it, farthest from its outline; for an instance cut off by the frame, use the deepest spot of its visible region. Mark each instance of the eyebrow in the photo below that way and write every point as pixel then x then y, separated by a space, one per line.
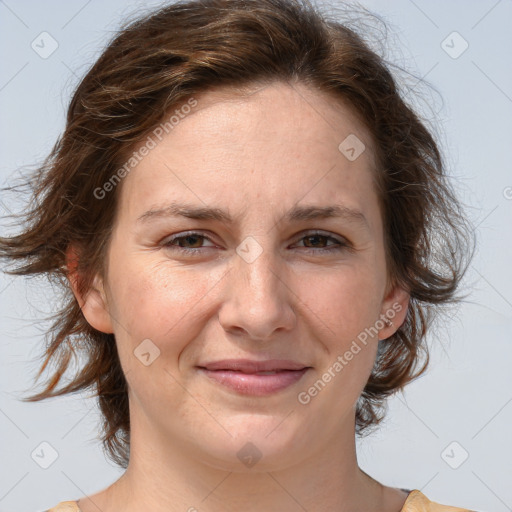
pixel 296 214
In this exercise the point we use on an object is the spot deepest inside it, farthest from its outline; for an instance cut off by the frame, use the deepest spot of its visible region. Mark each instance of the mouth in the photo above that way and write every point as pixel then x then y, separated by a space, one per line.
pixel 256 378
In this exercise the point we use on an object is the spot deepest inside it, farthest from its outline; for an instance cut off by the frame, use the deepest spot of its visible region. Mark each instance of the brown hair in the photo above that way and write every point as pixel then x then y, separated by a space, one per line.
pixel 159 61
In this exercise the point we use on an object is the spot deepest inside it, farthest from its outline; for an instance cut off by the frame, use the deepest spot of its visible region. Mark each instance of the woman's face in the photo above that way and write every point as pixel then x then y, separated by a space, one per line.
pixel 279 280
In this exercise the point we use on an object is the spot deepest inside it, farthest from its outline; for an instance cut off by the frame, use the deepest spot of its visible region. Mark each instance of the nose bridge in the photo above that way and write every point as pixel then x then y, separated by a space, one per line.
pixel 258 300
pixel 256 266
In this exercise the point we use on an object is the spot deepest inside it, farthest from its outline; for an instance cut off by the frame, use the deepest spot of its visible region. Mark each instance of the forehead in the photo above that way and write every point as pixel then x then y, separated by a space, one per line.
pixel 279 107
pixel 272 144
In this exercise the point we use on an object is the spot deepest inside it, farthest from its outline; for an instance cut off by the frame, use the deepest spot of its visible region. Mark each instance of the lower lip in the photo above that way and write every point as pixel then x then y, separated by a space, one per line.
pixel 252 384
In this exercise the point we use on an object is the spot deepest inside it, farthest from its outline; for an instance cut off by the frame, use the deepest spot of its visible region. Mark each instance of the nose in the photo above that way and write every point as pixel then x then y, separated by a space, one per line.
pixel 258 300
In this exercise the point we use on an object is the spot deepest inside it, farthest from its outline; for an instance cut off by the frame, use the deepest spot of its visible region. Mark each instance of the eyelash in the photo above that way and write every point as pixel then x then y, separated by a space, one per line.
pixel 341 245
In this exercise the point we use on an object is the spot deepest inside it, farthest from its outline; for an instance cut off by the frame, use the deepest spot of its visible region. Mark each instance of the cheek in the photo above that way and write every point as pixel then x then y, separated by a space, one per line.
pixel 342 305
pixel 160 303
pixel 345 301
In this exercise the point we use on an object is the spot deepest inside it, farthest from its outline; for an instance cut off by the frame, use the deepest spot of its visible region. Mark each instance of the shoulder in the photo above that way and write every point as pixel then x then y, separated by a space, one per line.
pixel 65 506
pixel 418 502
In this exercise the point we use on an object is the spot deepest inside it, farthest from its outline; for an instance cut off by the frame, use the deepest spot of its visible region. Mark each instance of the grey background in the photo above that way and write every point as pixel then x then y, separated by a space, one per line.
pixel 466 395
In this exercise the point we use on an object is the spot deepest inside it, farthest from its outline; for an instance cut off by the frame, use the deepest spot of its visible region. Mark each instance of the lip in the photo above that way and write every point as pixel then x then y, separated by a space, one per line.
pixel 252 366
pixel 241 375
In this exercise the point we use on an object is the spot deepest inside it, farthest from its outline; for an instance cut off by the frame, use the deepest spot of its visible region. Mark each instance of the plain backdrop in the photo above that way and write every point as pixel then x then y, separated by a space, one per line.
pixel 449 433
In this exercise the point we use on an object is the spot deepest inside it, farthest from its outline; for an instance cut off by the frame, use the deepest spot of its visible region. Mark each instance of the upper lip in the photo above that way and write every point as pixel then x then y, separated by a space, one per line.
pixel 250 366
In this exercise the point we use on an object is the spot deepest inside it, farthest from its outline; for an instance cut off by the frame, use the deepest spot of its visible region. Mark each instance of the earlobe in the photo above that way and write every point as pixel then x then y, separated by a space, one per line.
pixel 394 311
pixel 93 303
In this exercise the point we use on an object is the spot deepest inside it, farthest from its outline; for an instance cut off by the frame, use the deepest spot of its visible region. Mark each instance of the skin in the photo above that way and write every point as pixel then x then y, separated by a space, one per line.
pixel 256 156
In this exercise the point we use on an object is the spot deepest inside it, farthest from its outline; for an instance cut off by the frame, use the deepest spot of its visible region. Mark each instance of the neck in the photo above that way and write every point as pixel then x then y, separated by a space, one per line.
pixel 172 476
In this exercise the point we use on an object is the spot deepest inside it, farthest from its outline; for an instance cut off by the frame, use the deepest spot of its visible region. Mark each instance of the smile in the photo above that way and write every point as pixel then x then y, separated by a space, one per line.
pixel 255 384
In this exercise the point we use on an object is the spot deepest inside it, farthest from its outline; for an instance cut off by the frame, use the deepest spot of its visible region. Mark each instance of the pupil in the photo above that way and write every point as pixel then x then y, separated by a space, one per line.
pixel 191 237
pixel 314 237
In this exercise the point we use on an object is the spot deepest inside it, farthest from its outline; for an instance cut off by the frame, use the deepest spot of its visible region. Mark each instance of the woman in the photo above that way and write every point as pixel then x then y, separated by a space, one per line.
pixel 253 228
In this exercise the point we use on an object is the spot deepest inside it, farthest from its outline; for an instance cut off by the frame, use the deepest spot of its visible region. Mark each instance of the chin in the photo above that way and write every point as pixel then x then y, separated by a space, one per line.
pixel 257 444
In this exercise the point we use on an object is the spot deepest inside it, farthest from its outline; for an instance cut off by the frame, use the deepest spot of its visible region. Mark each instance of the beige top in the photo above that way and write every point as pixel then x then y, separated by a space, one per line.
pixel 415 502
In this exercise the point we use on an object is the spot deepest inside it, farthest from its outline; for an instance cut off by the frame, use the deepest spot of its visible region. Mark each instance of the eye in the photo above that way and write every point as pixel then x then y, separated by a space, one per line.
pixel 191 243
pixel 181 243
pixel 318 239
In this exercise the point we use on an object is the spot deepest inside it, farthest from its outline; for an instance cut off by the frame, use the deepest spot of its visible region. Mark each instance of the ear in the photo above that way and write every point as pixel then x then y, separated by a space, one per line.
pixel 393 311
pixel 94 304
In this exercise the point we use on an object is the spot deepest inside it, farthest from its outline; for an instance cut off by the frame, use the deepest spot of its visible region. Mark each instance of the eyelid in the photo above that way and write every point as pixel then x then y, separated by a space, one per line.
pixel 327 234
pixel 184 234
